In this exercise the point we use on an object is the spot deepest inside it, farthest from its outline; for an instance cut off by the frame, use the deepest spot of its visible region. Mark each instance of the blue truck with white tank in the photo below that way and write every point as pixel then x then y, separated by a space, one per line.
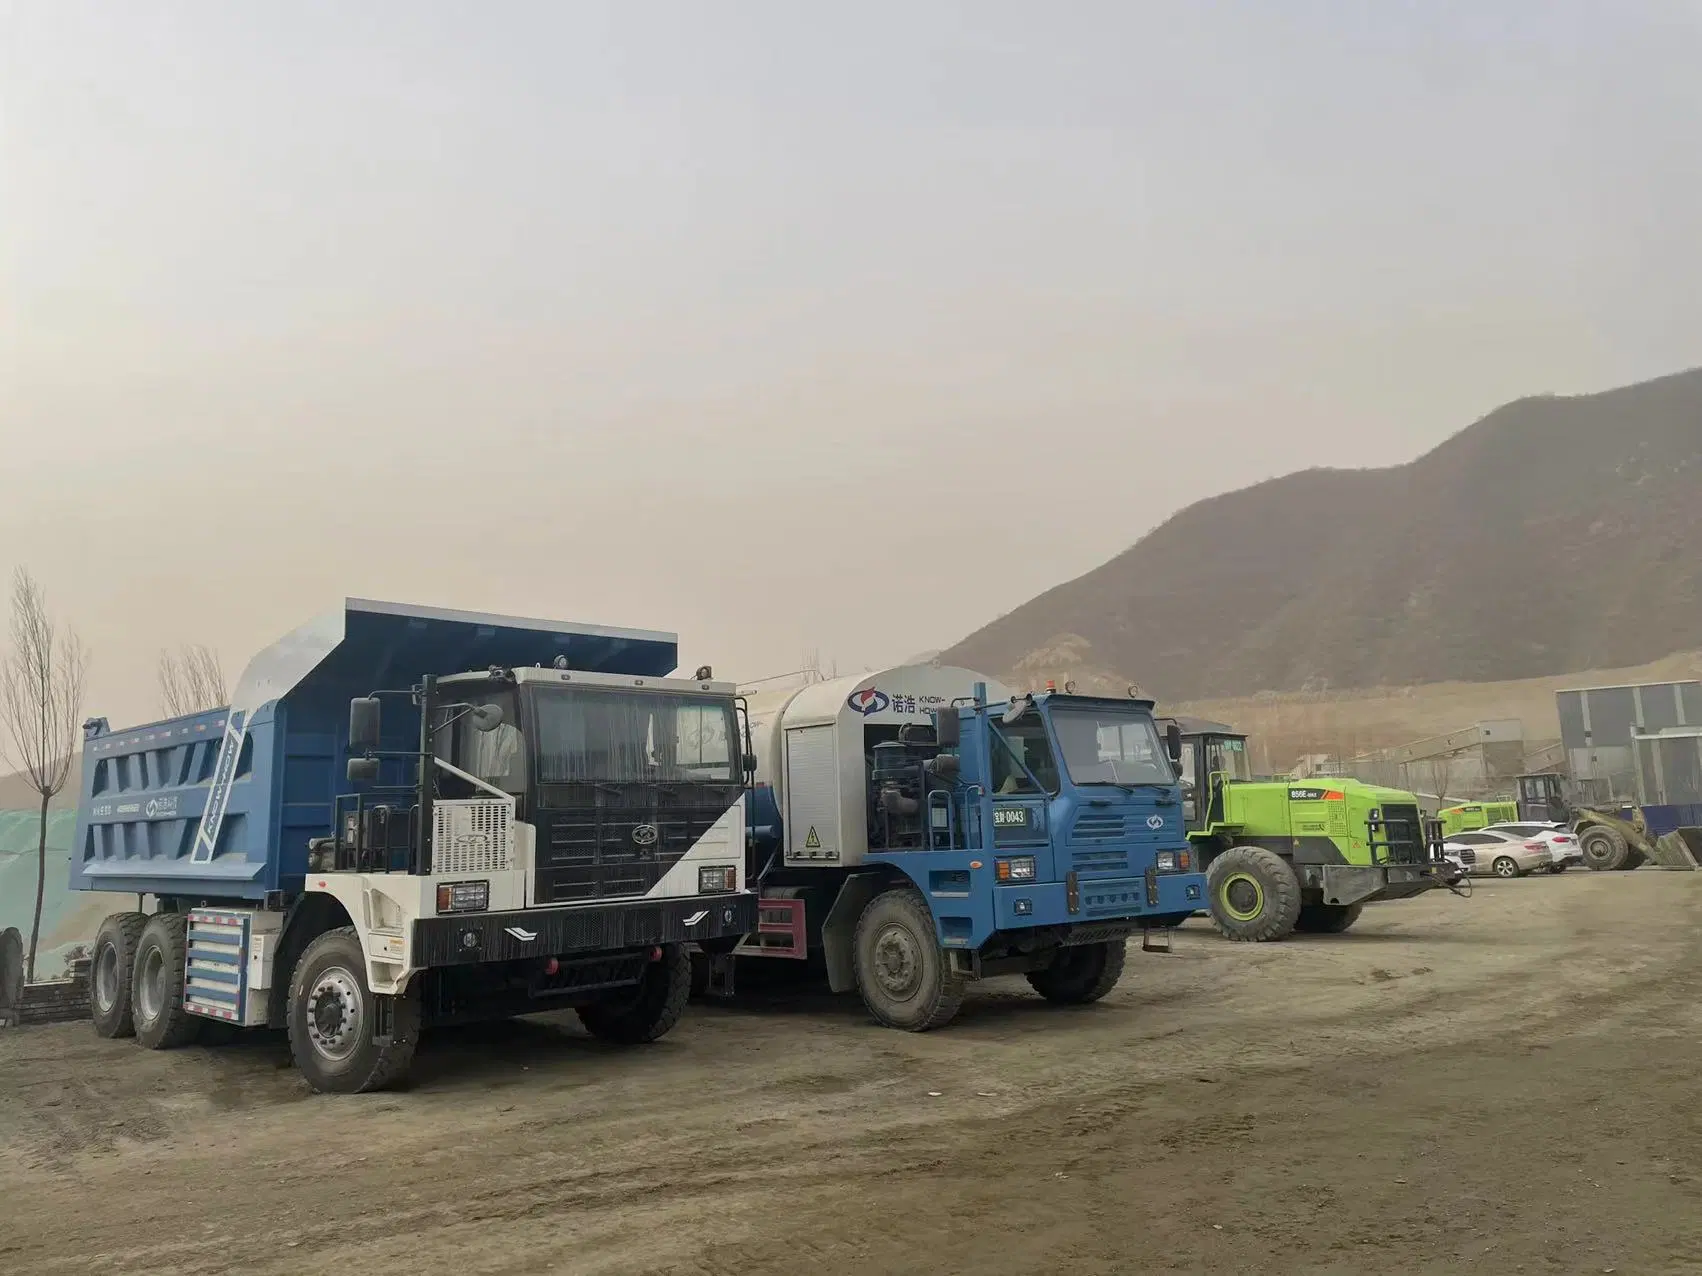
pixel 410 816
pixel 921 827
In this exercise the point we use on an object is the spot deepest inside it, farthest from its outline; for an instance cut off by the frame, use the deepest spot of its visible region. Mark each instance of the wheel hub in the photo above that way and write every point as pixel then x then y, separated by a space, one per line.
pixel 150 985
pixel 1242 897
pixel 106 978
pixel 898 961
pixel 334 1013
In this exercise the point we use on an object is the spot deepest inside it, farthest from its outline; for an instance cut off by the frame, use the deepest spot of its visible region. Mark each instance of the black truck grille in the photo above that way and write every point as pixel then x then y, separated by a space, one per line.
pixel 603 841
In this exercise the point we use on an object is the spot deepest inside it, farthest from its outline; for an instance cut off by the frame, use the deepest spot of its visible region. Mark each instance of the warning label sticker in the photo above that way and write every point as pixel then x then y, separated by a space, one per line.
pixel 812 842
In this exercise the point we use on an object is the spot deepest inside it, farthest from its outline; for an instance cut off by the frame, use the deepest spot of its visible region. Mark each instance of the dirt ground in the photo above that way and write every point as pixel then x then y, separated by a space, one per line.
pixel 1502 1084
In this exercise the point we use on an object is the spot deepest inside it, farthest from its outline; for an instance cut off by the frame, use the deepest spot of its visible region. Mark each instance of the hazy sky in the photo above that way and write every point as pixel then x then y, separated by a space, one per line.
pixel 784 325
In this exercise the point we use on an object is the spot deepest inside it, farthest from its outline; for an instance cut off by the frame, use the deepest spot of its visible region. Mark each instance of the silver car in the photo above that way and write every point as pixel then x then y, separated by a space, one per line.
pixel 1564 849
pixel 1498 853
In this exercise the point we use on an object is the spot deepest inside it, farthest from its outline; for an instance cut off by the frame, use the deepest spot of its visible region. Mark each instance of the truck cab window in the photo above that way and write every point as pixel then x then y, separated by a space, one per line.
pixel 497 757
pixel 1029 741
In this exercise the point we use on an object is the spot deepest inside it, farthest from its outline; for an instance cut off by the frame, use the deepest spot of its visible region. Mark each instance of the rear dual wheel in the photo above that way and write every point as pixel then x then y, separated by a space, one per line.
pixel 112 966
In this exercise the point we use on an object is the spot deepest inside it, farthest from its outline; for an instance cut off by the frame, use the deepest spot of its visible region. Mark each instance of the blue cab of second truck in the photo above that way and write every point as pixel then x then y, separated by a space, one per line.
pixel 1065 812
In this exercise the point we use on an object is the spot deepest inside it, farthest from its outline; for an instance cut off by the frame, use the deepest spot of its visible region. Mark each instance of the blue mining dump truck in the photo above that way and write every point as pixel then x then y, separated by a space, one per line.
pixel 409 816
pixel 920 827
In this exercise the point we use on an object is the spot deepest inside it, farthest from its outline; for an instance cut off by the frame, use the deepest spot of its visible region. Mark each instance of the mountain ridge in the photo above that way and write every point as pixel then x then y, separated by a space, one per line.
pixel 1552 534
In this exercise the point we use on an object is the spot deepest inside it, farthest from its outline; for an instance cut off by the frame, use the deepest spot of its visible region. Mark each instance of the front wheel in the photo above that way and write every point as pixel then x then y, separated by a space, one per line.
pixel 1081 974
pixel 1254 895
pixel 647 1013
pixel 902 971
pixel 1605 849
pixel 333 1017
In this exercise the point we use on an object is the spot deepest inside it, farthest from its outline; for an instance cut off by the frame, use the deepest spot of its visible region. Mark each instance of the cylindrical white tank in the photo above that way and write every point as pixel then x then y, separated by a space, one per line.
pixel 811 745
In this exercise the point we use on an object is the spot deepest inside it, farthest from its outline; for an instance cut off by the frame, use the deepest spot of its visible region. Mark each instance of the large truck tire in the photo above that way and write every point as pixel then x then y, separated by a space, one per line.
pixel 111 967
pixel 1604 848
pixel 652 1012
pixel 1327 919
pixel 902 972
pixel 330 1017
pixel 1254 895
pixel 1082 974
pixel 158 983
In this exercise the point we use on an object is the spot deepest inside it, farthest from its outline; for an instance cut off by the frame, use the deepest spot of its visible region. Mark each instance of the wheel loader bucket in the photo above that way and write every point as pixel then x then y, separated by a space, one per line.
pixel 1681 849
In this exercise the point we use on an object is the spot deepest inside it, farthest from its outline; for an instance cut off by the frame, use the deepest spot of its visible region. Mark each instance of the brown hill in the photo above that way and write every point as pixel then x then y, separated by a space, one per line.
pixel 1554 534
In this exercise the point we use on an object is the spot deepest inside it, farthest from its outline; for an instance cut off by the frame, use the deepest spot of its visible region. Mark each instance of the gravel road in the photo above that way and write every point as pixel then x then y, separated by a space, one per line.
pixel 1500 1084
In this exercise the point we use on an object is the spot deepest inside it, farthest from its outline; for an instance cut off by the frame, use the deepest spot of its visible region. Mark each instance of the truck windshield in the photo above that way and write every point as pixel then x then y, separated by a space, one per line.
pixel 585 735
pixel 1111 746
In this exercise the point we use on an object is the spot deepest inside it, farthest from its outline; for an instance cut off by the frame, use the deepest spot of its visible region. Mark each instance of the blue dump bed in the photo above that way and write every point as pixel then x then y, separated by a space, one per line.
pixel 221 805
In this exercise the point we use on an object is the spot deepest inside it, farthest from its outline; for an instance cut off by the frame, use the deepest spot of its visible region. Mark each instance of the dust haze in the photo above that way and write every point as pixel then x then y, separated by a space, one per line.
pixel 787 329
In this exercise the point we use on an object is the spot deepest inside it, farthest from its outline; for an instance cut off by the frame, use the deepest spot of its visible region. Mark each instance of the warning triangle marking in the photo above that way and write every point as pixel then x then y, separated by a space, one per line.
pixel 812 842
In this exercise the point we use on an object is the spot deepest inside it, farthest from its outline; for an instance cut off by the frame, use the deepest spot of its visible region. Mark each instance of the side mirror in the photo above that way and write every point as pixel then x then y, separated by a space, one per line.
pixel 363 770
pixel 947 727
pixel 1019 705
pixel 486 717
pixel 365 721
pixel 750 763
pixel 1173 743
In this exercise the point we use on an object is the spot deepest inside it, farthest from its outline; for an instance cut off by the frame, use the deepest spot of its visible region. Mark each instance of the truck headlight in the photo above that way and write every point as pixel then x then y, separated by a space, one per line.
pixel 1167 861
pixel 717 877
pixel 1018 868
pixel 463 897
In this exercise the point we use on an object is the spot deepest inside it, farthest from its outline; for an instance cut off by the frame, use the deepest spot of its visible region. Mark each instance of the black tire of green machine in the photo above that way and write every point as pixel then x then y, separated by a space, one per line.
pixel 1281 890
pixel 657 1007
pixel 1633 859
pixel 119 932
pixel 1505 866
pixel 941 989
pixel 1604 849
pixel 370 1066
pixel 1327 919
pixel 168 935
pixel 1081 974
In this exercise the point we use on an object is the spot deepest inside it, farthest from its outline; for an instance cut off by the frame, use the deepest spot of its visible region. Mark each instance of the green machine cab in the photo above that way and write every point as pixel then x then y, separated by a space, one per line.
pixel 1470 816
pixel 1285 855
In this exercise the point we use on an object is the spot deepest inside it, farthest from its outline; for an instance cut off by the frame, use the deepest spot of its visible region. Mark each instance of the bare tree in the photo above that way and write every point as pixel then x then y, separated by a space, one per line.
pixel 41 705
pixel 191 679
pixel 1440 774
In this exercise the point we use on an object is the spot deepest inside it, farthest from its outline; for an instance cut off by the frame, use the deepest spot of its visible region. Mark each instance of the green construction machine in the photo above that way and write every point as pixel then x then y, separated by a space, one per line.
pixel 1286 855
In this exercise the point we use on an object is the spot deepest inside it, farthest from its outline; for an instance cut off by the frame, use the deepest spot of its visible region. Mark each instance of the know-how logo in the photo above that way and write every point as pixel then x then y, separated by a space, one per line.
pixel 868 701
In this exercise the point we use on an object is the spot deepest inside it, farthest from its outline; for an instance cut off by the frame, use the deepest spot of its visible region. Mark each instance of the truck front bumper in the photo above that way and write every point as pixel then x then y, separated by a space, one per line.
pixel 1129 900
pixel 463 939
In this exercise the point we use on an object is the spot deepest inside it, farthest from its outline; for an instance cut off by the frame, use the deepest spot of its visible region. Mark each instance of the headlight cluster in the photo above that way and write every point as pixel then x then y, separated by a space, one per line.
pixel 717 877
pixel 1174 861
pixel 463 897
pixel 1017 868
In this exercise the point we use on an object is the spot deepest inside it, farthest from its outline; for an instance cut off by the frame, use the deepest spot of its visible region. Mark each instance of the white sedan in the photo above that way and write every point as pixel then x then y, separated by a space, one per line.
pixel 1564 849
pixel 1498 852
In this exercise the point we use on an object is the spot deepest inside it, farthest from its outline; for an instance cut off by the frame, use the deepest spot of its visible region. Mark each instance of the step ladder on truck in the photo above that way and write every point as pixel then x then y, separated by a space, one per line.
pixel 919 828
pixel 518 816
